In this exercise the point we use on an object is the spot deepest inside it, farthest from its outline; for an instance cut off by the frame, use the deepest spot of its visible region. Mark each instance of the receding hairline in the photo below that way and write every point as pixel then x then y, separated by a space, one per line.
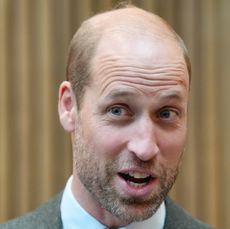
pixel 132 19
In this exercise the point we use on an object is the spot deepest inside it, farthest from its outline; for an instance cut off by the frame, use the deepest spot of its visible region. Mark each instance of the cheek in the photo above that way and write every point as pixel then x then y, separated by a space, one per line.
pixel 172 145
pixel 106 142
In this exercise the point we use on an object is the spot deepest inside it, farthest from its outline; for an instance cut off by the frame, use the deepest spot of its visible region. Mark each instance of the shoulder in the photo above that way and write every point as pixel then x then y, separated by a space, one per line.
pixel 45 217
pixel 178 218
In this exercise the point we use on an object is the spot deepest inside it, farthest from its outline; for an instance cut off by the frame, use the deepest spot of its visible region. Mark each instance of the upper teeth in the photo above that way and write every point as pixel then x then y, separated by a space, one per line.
pixel 138 175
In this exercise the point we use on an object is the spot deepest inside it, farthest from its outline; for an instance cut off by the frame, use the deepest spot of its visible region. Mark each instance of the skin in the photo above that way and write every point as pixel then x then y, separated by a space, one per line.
pixel 133 119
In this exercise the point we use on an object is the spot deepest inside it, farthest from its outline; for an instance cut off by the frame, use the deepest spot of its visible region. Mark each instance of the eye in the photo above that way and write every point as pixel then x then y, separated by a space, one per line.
pixel 119 111
pixel 165 114
pixel 168 114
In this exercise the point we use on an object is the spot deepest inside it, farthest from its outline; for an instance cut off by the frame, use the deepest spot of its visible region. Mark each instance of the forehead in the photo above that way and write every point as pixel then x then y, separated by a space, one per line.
pixel 141 60
pixel 142 42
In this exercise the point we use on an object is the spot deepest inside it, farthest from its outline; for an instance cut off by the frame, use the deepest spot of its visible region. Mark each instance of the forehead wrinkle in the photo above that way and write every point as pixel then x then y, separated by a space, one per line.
pixel 154 86
pixel 125 61
pixel 128 70
pixel 107 65
pixel 137 76
pixel 172 67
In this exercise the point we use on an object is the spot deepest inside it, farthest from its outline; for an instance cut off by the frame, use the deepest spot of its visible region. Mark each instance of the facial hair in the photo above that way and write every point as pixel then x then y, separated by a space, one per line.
pixel 97 178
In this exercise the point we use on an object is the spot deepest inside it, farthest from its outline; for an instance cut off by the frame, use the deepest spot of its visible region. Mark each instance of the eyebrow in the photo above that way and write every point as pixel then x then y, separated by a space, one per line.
pixel 174 95
pixel 119 93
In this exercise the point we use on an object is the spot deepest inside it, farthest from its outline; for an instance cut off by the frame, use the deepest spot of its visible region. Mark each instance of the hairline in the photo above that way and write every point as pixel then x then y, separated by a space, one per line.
pixel 88 27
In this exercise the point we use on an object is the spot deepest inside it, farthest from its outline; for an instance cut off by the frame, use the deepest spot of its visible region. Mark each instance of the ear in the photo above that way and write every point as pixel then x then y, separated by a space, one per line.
pixel 67 106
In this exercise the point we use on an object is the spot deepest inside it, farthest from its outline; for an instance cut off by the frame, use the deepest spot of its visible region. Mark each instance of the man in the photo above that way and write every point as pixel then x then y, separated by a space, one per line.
pixel 125 105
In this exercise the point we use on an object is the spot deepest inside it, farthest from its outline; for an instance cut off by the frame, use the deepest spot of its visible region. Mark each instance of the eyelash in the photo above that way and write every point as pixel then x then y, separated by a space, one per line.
pixel 120 107
pixel 170 111
pixel 125 114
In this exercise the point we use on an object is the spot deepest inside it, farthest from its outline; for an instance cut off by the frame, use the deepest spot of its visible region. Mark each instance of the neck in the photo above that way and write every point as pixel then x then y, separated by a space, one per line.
pixel 88 202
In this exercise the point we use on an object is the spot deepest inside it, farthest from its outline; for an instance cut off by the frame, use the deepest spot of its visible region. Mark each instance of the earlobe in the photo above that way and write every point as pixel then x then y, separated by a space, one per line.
pixel 67 106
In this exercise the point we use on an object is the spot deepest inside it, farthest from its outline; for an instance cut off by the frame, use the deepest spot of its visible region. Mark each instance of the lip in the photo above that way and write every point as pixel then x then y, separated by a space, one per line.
pixel 147 172
pixel 136 191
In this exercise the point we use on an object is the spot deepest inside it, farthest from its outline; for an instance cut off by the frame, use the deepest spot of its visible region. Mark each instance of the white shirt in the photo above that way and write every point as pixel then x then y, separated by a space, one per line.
pixel 75 217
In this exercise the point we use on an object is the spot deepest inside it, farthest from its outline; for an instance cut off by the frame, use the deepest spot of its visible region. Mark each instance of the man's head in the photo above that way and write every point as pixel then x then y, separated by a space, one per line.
pixel 83 45
pixel 129 127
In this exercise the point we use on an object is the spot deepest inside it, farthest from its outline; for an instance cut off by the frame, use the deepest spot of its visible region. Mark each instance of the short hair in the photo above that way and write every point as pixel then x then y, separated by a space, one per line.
pixel 82 49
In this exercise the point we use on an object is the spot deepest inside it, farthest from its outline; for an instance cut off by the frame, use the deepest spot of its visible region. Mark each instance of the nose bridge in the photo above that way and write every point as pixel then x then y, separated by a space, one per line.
pixel 144 142
pixel 145 129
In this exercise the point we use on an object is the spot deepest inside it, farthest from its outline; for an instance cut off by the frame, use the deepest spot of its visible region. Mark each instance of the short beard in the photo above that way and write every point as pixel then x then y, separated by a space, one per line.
pixel 98 181
pixel 120 206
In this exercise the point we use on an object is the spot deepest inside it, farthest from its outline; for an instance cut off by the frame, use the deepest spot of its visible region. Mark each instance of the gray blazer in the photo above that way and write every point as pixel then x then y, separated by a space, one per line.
pixel 48 216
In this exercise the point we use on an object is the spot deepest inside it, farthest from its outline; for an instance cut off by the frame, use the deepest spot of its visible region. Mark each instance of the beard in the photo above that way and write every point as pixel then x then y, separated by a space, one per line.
pixel 97 176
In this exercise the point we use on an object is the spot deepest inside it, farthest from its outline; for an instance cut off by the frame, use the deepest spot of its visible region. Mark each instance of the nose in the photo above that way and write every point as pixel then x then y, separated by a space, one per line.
pixel 143 142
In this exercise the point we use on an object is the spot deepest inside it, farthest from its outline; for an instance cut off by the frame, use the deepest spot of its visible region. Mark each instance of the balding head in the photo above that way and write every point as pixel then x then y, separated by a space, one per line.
pixel 128 71
pixel 129 23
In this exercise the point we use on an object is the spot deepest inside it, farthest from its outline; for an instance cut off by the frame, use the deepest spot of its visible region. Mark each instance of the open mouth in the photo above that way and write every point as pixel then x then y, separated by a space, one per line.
pixel 136 179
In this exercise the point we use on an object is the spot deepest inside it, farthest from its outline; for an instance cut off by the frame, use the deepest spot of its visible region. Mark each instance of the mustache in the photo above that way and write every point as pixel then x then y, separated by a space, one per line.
pixel 129 163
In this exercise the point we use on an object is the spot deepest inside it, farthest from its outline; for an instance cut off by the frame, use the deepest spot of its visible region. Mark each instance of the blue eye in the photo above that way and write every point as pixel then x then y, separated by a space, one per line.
pixel 116 111
pixel 119 112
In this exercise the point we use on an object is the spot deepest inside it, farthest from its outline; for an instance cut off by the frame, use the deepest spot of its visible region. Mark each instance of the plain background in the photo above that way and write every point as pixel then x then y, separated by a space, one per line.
pixel 35 153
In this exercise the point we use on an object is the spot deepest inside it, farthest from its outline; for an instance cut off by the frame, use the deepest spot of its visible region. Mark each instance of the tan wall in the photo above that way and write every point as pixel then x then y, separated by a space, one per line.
pixel 35 153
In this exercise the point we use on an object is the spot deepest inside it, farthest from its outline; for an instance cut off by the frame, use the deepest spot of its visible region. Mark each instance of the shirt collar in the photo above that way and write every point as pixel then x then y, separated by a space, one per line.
pixel 74 216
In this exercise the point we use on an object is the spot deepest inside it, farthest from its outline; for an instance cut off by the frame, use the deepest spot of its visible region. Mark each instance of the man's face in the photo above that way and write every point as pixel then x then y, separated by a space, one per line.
pixel 131 129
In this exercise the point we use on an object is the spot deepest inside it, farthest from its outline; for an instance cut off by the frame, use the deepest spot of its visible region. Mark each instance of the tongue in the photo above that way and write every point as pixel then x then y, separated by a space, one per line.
pixel 135 180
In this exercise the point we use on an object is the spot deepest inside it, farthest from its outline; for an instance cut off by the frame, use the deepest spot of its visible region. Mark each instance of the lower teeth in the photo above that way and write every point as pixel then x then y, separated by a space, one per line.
pixel 136 184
